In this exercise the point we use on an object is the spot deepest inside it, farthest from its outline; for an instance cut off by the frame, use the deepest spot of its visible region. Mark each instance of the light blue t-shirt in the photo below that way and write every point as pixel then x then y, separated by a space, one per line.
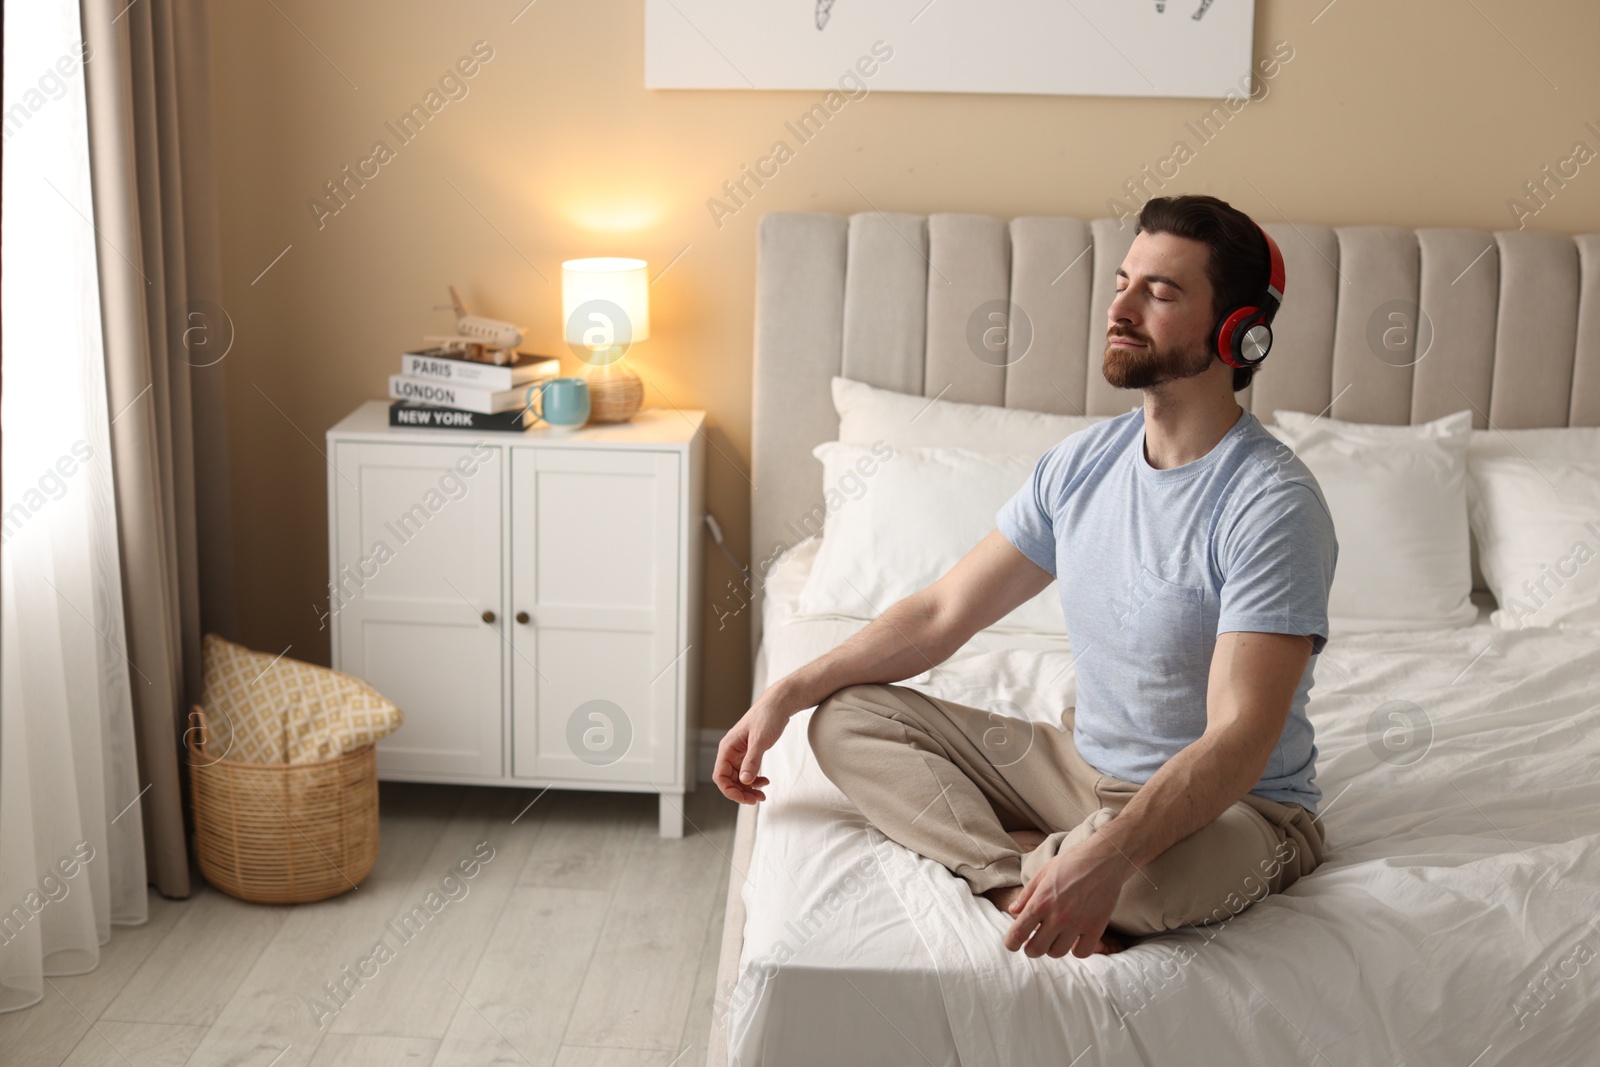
pixel 1154 564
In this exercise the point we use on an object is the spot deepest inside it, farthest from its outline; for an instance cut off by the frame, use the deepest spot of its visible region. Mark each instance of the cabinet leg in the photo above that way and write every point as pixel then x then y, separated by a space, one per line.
pixel 671 814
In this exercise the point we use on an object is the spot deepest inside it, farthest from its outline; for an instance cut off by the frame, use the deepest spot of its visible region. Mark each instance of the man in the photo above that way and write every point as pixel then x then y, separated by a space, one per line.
pixel 1194 554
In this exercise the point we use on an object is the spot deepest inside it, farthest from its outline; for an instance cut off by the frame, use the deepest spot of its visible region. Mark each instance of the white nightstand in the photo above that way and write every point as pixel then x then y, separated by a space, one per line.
pixel 528 600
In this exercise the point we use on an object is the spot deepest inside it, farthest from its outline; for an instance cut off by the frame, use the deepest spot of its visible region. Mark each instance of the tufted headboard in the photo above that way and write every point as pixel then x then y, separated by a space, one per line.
pixel 1508 325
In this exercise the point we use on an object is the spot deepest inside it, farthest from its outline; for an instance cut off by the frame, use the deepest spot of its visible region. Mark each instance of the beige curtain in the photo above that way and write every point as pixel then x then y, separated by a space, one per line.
pixel 166 338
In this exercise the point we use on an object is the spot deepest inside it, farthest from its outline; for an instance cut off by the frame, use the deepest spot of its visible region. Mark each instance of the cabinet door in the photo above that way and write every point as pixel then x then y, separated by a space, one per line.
pixel 418 563
pixel 594 564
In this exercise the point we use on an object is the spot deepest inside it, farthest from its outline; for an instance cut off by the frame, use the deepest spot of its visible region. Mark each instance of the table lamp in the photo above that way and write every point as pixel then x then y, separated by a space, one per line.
pixel 606 304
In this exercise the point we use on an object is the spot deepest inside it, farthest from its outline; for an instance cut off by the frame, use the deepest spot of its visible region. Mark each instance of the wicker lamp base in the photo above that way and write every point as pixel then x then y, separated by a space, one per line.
pixel 615 391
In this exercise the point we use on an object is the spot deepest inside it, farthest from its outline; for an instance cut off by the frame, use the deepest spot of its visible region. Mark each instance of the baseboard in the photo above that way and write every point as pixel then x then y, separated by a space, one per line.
pixel 705 760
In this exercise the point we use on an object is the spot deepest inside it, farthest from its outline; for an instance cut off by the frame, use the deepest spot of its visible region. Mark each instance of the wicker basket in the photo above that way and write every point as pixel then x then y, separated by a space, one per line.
pixel 283 833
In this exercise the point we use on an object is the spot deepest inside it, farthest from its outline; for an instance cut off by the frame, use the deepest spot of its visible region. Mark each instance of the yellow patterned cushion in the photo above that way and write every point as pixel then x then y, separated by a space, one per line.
pixel 265 709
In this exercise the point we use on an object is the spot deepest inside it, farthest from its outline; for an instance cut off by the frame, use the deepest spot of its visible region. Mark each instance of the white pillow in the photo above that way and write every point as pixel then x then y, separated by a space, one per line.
pixel 1398 496
pixel 1562 443
pixel 1535 510
pixel 898 520
pixel 868 414
pixel 1456 425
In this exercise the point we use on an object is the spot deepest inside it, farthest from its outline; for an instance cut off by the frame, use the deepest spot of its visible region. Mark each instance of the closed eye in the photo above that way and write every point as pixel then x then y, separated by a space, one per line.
pixel 1163 299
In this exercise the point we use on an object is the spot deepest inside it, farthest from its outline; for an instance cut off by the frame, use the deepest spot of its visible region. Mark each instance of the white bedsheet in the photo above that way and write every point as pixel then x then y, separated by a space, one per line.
pixel 1454 921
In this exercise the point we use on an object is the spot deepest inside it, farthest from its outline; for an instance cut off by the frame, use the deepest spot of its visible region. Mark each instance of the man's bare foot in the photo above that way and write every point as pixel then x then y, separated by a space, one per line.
pixel 1002 896
pixel 1109 943
pixel 1028 840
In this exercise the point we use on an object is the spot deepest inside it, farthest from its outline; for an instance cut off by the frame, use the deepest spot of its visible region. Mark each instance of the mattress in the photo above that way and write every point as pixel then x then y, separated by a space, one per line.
pixel 1454 921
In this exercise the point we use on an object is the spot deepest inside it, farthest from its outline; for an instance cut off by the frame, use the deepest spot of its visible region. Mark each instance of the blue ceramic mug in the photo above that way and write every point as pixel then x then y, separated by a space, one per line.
pixel 563 403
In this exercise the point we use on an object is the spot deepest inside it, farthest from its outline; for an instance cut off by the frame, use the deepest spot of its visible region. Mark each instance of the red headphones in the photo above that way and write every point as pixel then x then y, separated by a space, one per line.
pixel 1244 335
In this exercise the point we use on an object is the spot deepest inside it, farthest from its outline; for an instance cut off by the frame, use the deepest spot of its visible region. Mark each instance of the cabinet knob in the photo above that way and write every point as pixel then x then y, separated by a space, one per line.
pixel 522 616
pixel 488 616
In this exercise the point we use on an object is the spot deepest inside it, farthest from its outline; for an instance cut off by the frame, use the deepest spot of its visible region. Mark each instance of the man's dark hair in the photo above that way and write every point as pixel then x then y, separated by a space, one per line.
pixel 1238 266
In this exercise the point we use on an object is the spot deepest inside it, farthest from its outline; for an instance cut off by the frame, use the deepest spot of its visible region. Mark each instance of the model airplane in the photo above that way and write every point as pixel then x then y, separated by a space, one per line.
pixel 479 338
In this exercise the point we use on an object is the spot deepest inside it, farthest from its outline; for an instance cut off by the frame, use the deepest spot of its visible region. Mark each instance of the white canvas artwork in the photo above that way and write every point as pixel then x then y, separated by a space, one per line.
pixel 1192 48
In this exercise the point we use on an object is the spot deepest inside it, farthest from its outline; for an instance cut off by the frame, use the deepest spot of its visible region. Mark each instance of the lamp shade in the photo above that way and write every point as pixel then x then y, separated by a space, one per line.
pixel 605 301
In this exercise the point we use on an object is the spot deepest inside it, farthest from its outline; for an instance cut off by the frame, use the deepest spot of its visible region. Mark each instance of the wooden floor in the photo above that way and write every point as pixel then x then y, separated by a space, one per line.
pixel 585 940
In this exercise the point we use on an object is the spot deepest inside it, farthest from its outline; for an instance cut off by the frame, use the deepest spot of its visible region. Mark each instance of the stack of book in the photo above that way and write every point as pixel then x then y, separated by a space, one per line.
pixel 441 389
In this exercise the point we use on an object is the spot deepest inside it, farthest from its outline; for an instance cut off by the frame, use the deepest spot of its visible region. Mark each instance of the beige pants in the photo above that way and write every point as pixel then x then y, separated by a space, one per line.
pixel 948 781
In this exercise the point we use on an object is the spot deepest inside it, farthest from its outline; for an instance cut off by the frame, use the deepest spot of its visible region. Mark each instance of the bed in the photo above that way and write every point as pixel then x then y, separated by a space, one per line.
pixel 1456 917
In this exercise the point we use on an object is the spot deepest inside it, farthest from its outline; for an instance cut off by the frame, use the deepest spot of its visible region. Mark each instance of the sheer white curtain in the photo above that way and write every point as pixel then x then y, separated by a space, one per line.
pixel 71 849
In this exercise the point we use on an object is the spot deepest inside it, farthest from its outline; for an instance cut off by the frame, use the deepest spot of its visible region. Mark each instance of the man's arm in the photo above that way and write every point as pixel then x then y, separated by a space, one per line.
pixel 1252 683
pixel 924 629
pixel 913 635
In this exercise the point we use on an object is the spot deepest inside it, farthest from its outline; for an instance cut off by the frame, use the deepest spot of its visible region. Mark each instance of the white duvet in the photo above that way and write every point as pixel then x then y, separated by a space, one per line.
pixel 1455 920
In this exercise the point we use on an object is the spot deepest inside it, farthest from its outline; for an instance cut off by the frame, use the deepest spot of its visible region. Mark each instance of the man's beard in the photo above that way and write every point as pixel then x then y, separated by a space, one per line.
pixel 1142 368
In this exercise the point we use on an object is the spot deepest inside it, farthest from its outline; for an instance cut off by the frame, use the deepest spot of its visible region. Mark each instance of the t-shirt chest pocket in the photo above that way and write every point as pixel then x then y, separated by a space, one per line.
pixel 1164 625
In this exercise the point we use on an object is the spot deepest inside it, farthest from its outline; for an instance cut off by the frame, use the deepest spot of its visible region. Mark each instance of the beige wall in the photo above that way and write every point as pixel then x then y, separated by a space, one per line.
pixel 1415 114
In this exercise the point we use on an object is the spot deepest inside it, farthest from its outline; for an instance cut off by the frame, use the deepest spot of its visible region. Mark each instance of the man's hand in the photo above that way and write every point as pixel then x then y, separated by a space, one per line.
pixel 915 633
pixel 1068 902
pixel 739 755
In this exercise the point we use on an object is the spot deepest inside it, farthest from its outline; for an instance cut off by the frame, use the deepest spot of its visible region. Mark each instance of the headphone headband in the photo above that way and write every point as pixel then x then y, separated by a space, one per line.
pixel 1273 298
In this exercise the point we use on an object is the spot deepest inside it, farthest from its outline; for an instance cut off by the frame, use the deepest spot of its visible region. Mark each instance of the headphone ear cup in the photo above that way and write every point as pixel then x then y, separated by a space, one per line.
pixel 1254 342
pixel 1230 333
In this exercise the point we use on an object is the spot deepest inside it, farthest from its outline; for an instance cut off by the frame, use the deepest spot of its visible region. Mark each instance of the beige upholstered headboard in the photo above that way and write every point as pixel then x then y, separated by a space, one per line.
pixel 1510 325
